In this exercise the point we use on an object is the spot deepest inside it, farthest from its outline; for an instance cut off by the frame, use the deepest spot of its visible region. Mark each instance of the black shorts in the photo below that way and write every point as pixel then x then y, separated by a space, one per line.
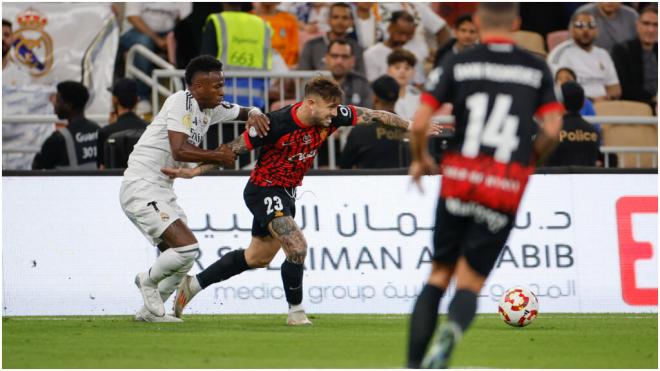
pixel 268 203
pixel 470 230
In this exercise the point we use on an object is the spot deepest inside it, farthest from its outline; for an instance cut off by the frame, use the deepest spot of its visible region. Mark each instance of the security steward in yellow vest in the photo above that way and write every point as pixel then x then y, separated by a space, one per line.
pixel 242 42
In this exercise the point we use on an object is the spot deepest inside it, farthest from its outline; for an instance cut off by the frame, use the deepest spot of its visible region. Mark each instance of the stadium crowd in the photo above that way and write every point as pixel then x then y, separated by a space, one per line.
pixel 598 52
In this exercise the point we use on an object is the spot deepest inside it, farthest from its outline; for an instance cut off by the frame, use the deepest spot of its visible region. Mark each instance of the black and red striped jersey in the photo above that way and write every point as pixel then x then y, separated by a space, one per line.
pixel 496 90
pixel 288 151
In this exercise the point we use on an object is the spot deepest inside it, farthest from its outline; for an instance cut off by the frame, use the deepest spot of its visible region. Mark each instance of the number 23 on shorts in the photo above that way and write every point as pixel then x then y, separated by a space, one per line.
pixel 272 204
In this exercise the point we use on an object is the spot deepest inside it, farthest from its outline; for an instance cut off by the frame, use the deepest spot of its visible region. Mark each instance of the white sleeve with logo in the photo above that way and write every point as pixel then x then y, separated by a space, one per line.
pixel 179 113
pixel 225 112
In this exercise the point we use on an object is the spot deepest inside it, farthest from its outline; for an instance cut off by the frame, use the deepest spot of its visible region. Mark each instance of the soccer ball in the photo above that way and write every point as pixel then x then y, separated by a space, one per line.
pixel 518 307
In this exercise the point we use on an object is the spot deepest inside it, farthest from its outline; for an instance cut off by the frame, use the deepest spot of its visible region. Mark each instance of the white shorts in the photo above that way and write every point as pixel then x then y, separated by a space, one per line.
pixel 150 207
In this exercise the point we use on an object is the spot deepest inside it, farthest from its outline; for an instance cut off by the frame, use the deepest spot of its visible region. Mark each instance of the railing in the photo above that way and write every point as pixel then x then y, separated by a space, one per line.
pixel 156 87
pixel 637 120
pixel 638 151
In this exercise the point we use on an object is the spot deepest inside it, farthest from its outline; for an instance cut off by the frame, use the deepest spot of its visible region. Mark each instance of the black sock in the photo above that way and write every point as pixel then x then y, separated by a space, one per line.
pixel 422 323
pixel 228 266
pixel 463 308
pixel 292 277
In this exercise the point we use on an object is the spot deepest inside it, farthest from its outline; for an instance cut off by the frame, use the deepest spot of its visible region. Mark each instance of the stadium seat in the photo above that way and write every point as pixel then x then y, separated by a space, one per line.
pixel 531 41
pixel 555 38
pixel 629 135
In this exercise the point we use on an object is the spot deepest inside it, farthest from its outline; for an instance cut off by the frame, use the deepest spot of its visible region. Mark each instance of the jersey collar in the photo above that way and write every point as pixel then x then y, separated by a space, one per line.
pixel 497 40
pixel 294 115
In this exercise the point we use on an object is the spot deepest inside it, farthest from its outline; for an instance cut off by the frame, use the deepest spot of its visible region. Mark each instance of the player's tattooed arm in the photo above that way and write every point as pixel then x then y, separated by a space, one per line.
pixel 238 145
pixel 366 116
pixel 293 242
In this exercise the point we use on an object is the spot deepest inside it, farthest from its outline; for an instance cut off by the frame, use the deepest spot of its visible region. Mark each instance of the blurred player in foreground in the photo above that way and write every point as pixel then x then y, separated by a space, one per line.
pixel 496 90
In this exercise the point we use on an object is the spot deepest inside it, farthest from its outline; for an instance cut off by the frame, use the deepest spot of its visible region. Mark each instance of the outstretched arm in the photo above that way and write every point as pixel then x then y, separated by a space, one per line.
pixel 366 116
pixel 237 146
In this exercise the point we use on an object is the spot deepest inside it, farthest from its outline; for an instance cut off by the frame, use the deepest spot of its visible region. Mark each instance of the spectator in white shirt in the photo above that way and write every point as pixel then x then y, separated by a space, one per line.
pixel 401 30
pixel 367 24
pixel 401 66
pixel 593 65
pixel 148 25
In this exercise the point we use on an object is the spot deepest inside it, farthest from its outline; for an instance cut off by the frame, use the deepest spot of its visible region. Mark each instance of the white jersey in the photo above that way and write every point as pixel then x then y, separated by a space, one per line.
pixel 180 113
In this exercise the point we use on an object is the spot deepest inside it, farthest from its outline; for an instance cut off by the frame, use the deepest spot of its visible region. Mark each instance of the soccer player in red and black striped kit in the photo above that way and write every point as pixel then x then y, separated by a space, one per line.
pixel 496 90
pixel 287 153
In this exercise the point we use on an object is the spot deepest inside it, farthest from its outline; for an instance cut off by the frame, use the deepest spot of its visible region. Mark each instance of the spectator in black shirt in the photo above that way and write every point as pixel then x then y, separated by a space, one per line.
pixel 466 37
pixel 578 139
pixel 74 146
pixel 636 60
pixel 376 146
pixel 124 99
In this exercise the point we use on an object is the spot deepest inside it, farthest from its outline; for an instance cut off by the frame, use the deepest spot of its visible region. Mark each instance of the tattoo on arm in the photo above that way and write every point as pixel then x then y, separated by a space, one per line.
pixel 238 145
pixel 285 230
pixel 205 168
pixel 366 116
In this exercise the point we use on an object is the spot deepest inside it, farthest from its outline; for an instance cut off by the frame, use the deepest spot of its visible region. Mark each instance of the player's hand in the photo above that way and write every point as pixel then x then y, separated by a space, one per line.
pixel 425 166
pixel 225 156
pixel 185 173
pixel 257 124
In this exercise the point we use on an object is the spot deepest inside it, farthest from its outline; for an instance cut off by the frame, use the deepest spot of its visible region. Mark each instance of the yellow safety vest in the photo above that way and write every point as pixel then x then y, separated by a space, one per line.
pixel 243 40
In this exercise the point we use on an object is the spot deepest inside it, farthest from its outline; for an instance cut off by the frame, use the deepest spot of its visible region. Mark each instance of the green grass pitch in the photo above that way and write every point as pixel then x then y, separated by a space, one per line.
pixel 335 341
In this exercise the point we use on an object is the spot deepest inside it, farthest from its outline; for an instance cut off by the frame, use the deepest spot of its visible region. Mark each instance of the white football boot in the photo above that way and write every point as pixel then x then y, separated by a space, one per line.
pixel 184 295
pixel 297 317
pixel 144 315
pixel 150 295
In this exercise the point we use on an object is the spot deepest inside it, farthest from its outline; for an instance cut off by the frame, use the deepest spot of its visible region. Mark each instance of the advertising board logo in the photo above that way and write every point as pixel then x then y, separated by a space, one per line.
pixel 631 250
pixel 33 46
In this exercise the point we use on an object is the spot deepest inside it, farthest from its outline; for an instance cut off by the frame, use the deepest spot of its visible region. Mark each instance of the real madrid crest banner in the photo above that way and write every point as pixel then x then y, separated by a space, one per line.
pixel 54 42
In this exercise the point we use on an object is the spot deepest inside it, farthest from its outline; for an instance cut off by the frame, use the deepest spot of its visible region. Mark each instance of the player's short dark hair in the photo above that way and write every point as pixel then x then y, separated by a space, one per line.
pixel 340 5
pixel 462 19
pixel 567 70
pixel 203 63
pixel 73 93
pixel 401 15
pixel 325 87
pixel 401 55
pixel 497 15
pixel 651 8
pixel 340 42
pixel 6 23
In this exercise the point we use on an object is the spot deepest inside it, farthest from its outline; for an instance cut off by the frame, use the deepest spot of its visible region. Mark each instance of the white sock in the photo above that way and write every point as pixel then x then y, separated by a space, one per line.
pixel 295 308
pixel 172 261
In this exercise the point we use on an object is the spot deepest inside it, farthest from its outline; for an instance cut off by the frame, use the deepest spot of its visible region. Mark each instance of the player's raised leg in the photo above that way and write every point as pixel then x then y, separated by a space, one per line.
pixel 425 314
pixel 260 252
pixel 286 231
pixel 462 310
pixel 177 258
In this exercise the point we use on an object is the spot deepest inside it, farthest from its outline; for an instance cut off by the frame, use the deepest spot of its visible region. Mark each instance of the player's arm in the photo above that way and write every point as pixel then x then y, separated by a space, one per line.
pixel 256 119
pixel 422 163
pixel 548 136
pixel 366 116
pixel 237 146
pixel 186 152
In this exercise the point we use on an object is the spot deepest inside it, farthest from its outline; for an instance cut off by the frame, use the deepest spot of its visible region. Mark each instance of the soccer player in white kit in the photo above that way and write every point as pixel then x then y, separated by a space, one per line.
pixel 146 194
